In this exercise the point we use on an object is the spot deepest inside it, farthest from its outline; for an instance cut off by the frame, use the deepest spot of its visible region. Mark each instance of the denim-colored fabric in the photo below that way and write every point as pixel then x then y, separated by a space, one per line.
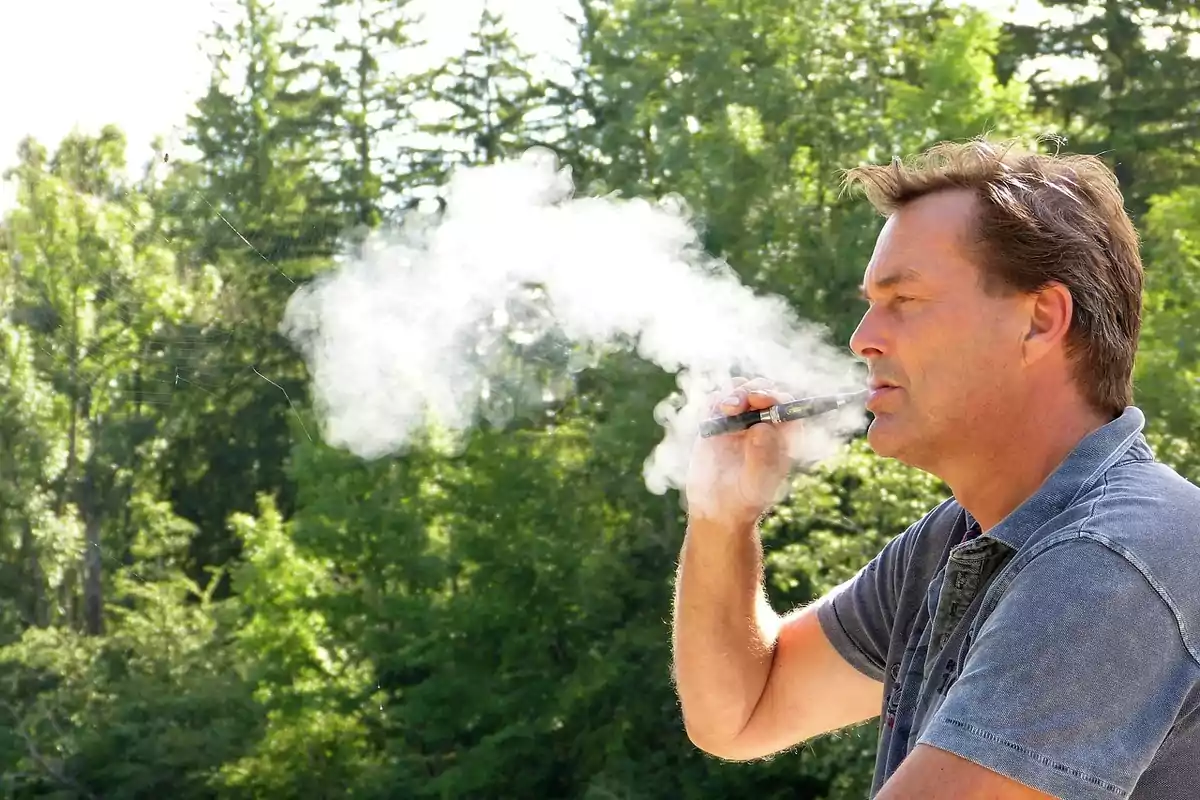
pixel 1060 648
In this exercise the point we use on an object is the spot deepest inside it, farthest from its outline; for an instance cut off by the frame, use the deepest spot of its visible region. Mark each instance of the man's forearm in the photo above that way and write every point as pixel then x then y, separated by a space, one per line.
pixel 724 630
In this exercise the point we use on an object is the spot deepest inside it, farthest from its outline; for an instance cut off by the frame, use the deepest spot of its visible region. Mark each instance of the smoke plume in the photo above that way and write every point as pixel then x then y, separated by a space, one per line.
pixel 490 308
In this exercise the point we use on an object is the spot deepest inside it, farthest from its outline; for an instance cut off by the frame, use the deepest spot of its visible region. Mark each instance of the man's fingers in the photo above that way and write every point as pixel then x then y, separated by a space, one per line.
pixel 734 403
pixel 728 402
pixel 738 398
pixel 765 398
pixel 734 400
pixel 755 394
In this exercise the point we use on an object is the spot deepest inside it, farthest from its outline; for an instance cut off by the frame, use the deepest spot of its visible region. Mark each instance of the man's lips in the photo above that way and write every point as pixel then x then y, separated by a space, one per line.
pixel 878 390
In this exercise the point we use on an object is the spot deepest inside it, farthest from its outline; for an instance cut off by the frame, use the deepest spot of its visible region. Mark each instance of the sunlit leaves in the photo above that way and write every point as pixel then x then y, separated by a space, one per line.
pixel 1167 380
pixel 486 616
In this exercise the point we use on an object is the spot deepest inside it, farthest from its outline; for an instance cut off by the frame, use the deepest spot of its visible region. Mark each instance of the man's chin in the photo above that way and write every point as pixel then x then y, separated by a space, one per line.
pixel 884 436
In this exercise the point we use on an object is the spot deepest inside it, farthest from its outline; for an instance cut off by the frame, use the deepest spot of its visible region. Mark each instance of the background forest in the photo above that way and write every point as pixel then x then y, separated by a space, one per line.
pixel 202 600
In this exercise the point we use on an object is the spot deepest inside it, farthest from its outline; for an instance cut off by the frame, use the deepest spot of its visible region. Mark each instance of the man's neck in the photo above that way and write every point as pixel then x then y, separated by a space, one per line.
pixel 1010 464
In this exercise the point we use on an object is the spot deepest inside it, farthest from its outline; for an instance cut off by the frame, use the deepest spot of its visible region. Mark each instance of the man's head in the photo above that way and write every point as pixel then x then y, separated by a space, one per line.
pixel 1002 279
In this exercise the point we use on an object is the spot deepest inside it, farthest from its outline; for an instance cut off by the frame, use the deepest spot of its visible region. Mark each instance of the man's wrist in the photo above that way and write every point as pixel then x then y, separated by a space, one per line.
pixel 736 522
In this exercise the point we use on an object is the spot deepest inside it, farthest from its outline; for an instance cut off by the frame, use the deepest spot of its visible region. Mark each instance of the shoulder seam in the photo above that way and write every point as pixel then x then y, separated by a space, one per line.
pixel 1148 576
pixel 1092 509
pixel 1104 466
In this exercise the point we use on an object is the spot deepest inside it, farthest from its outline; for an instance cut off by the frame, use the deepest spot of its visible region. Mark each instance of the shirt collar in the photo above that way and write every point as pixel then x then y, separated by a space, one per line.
pixel 1077 474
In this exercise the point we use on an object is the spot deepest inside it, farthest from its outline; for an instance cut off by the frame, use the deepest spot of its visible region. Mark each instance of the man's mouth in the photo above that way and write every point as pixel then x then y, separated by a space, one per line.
pixel 879 389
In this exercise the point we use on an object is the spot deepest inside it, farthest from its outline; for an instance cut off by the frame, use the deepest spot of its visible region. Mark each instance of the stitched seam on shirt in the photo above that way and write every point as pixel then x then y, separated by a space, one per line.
pixel 1103 467
pixel 1036 756
pixel 1096 502
pixel 1073 534
pixel 837 616
pixel 1148 576
pixel 1011 570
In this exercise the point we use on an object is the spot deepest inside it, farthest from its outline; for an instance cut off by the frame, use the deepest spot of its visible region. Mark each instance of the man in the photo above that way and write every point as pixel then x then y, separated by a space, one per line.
pixel 1036 635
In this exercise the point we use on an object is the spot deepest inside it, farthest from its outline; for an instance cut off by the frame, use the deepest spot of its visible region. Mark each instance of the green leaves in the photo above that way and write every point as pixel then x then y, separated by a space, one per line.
pixel 751 110
pixel 840 515
pixel 206 602
pixel 1130 88
pixel 486 102
pixel 1167 378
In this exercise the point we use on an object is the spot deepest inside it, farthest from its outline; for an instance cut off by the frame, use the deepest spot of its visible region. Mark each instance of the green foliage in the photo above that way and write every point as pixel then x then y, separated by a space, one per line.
pixel 1167 380
pixel 492 105
pixel 207 601
pixel 839 516
pixel 751 110
pixel 1132 88
pixel 363 107
pixel 153 709
pixel 301 681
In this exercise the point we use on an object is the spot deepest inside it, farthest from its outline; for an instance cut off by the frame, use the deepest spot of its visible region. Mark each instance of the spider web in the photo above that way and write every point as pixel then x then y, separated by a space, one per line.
pixel 175 356
pixel 172 359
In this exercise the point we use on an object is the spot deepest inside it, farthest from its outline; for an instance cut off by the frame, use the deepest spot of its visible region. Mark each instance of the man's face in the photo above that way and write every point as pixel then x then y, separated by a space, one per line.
pixel 944 356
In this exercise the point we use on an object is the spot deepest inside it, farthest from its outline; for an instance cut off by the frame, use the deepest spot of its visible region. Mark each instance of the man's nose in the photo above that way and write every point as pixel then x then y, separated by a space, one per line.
pixel 868 340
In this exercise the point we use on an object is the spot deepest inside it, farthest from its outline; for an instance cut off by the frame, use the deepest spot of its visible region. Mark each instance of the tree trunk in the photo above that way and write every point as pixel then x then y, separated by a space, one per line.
pixel 91 510
pixel 39 609
pixel 93 591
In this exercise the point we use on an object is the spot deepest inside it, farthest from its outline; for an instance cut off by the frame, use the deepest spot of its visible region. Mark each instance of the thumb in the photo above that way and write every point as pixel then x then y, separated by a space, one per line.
pixel 767 448
pixel 760 437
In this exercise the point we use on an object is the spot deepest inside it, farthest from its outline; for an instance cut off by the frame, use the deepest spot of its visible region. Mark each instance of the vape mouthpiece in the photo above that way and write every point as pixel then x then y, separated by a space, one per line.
pixel 782 412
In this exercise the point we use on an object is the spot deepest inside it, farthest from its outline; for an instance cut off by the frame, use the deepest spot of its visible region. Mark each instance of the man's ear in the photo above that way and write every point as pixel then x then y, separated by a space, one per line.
pixel 1050 312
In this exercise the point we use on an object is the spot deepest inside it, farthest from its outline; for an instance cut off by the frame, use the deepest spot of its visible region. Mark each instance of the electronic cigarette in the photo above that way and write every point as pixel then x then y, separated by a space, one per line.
pixel 781 412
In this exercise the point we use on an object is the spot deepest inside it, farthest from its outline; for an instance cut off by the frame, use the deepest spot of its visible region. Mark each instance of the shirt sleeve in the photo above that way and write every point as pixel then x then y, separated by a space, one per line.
pixel 859 614
pixel 1075 678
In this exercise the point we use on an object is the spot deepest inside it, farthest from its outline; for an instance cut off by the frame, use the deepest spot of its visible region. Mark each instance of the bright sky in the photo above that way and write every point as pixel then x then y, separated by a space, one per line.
pixel 137 63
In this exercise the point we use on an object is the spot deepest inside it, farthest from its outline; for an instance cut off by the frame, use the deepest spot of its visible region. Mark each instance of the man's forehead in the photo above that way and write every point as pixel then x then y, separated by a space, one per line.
pixel 887 276
pixel 916 238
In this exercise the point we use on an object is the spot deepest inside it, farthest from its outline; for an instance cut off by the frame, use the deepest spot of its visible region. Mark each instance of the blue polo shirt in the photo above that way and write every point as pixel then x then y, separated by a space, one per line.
pixel 1062 647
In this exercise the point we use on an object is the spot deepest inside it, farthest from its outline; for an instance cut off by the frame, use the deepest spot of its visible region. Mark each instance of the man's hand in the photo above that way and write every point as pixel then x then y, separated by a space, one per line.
pixel 932 774
pixel 734 477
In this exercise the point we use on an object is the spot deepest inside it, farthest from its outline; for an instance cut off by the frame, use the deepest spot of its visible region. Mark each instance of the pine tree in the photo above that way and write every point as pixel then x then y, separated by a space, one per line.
pixel 253 204
pixel 1138 103
pixel 368 89
pixel 494 106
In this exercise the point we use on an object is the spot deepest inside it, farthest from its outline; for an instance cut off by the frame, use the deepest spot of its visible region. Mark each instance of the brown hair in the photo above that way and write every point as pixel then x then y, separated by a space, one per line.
pixel 1042 218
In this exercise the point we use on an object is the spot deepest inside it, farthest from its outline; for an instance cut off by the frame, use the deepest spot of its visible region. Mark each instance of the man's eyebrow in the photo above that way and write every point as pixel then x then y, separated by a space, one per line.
pixel 906 275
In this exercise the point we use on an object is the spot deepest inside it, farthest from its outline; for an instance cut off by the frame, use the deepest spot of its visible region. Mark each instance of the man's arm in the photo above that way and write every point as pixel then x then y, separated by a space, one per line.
pixel 932 774
pixel 752 683
pixel 810 690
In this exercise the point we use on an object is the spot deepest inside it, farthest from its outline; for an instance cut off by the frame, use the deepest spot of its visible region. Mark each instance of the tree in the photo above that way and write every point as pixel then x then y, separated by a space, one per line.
pixel 30 443
pixel 489 103
pixel 1136 100
pixel 111 672
pixel 93 293
pixel 205 600
pixel 750 110
pixel 1167 380
pixel 368 90
pixel 252 203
